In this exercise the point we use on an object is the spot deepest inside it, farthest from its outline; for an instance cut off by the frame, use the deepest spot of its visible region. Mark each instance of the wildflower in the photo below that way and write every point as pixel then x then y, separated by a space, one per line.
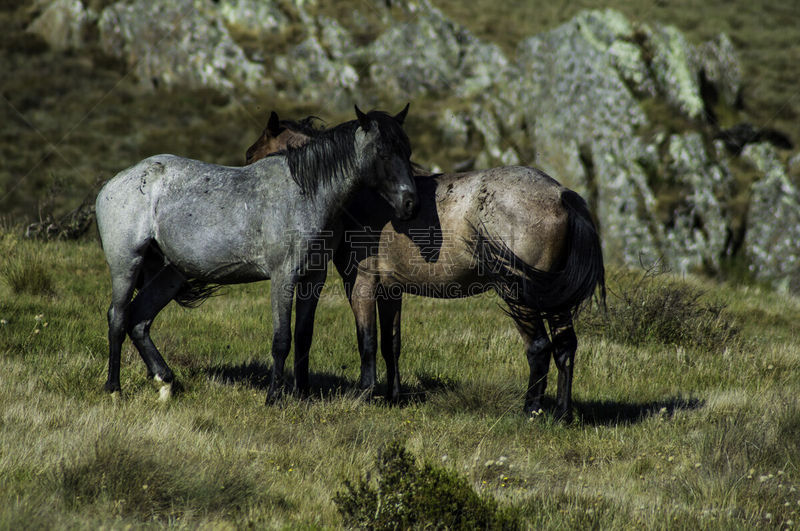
pixel 39 317
pixel 3 322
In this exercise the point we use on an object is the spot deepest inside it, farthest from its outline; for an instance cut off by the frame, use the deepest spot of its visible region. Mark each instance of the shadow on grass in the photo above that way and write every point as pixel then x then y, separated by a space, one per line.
pixel 611 412
pixel 323 385
pixel 450 395
pixel 257 375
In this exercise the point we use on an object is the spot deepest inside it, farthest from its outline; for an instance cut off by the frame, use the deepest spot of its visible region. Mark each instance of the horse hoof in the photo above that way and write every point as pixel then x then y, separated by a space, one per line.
pixel 534 414
pixel 165 393
pixel 274 396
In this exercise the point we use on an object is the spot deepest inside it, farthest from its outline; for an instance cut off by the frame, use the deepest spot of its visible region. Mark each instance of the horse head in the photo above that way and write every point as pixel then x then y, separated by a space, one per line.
pixel 279 135
pixel 385 153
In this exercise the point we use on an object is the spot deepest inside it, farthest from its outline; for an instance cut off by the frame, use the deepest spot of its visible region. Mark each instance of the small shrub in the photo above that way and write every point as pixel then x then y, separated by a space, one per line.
pixel 407 496
pixel 651 307
pixel 25 271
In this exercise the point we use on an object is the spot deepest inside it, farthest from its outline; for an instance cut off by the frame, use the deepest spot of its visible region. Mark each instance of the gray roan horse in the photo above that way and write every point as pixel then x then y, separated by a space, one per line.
pixel 175 228
pixel 511 229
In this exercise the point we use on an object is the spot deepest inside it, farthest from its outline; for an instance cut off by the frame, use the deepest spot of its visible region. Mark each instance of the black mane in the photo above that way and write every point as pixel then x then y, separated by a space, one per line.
pixel 330 154
pixel 306 126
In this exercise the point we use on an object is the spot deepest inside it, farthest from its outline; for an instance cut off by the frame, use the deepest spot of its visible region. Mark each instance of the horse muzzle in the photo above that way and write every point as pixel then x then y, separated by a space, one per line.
pixel 407 207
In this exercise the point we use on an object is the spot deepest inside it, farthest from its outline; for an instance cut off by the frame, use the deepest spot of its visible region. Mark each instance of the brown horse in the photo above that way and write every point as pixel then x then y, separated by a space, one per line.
pixel 511 229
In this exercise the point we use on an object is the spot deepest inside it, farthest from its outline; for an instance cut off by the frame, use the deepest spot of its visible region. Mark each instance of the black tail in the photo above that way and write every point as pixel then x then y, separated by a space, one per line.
pixel 531 293
pixel 191 294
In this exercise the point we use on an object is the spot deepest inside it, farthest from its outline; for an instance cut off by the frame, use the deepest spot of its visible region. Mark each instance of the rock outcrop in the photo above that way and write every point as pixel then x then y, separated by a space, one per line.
pixel 176 43
pixel 772 235
pixel 576 100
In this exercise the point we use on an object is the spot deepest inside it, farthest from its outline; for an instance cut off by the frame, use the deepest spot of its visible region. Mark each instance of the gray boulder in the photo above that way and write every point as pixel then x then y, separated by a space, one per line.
pixel 696 235
pixel 431 55
pixel 674 68
pixel 309 72
pixel 256 16
pixel 625 204
pixel 176 43
pixel 63 24
pixel 772 237
pixel 719 62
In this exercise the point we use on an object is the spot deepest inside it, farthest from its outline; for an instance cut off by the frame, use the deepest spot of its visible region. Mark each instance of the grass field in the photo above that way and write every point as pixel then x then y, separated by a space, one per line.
pixel 672 430
pixel 687 405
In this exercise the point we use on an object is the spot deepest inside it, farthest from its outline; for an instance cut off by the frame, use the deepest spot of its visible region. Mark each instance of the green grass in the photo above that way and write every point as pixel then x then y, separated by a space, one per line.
pixel 669 433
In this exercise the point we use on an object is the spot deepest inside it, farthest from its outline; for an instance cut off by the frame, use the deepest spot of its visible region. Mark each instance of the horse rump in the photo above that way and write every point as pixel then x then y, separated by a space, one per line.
pixel 533 294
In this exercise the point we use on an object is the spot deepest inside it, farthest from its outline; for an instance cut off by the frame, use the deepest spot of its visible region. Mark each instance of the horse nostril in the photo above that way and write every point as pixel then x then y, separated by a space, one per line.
pixel 409 205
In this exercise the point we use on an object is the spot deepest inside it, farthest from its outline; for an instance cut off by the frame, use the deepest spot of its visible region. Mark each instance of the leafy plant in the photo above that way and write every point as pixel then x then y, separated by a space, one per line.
pixel 408 496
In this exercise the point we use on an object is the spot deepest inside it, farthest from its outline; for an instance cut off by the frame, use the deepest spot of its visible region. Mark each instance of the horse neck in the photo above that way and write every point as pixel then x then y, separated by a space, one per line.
pixel 331 197
pixel 330 170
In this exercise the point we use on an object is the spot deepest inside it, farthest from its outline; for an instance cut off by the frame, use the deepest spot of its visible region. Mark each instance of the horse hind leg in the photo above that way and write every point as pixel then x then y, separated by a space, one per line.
pixel 124 274
pixel 537 350
pixel 159 285
pixel 565 343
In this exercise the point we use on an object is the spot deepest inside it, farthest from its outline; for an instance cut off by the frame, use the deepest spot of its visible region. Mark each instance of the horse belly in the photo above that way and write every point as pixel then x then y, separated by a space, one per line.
pixel 441 270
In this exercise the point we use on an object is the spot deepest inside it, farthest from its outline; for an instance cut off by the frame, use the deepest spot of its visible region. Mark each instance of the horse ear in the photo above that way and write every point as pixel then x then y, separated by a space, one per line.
pixel 363 121
pixel 401 116
pixel 274 124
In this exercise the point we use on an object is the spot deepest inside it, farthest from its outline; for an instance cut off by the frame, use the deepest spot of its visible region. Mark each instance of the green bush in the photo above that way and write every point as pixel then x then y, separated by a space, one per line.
pixel 407 496
pixel 652 307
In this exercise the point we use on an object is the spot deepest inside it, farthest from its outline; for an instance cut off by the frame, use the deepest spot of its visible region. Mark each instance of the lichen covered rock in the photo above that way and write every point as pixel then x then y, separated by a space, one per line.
pixel 64 24
pixel 696 236
pixel 719 62
pixel 674 68
pixel 308 72
pixel 176 43
pixel 772 237
pixel 253 15
pixel 432 55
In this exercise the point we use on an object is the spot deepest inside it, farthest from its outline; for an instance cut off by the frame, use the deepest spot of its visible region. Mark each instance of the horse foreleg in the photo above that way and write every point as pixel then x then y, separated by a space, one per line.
pixel 537 350
pixel 158 288
pixel 362 302
pixel 389 315
pixel 282 295
pixel 308 292
pixel 565 343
